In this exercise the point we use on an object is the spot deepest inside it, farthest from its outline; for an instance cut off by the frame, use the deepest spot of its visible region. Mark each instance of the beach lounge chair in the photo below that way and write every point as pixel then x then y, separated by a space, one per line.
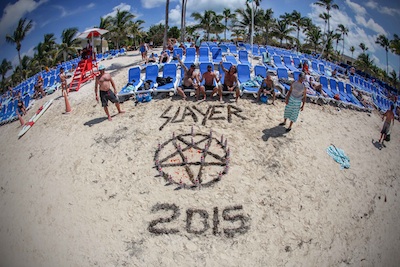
pixel 343 94
pixel 283 78
pixel 244 57
pixel 169 73
pixel 216 54
pixel 134 82
pixel 233 49
pixel 247 84
pixel 324 82
pixel 288 63
pixel 177 51
pixel 255 51
pixel 278 63
pixel 190 55
pixel 204 54
pixel 355 102
pixel 231 59
pixel 150 80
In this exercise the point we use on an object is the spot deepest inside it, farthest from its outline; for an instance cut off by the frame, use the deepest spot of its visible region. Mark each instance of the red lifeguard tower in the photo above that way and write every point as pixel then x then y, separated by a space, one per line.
pixel 83 73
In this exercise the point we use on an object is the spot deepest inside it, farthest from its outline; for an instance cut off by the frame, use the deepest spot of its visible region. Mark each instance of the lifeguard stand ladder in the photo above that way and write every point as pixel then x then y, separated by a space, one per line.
pixel 83 73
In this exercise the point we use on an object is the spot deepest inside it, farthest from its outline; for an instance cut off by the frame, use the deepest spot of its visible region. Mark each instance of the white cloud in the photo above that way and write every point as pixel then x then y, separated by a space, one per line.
pixel 62 10
pixel 121 7
pixel 358 9
pixel 174 16
pixel 13 12
pixel 383 9
pixel 370 24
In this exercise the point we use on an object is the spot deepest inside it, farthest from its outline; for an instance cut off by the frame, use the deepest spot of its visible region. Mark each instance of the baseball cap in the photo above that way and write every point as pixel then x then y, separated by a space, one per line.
pixel 101 67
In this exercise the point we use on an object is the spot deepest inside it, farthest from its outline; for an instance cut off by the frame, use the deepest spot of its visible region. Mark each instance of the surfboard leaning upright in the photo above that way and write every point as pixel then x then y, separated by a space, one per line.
pixel 35 117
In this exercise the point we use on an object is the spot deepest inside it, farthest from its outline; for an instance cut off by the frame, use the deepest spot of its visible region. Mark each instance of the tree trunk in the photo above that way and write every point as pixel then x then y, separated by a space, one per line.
pixel 166 26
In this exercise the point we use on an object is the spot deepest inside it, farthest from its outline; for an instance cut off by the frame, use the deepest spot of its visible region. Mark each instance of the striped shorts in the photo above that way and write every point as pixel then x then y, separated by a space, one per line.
pixel 292 109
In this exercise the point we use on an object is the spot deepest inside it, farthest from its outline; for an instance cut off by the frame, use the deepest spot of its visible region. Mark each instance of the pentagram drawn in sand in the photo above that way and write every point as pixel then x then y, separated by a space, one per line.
pixel 192 160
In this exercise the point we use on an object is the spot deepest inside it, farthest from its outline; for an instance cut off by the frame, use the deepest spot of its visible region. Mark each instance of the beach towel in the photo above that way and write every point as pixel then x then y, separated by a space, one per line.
pixel 292 109
pixel 249 83
pixel 339 156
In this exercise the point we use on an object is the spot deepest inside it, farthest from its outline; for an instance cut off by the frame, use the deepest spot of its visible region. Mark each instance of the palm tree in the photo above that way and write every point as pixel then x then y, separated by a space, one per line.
pixel 266 20
pixel 137 31
pixel 329 5
pixel 282 30
pixel 314 37
pixel 121 23
pixel 344 31
pixel 352 49
pixel 325 16
pixel 383 41
pixel 298 21
pixel 245 18
pixel 183 20
pixel 165 42
pixel 363 47
pixel 395 47
pixel 205 21
pixel 394 79
pixel 68 43
pixel 105 23
pixel 227 16
pixel 364 62
pixel 4 68
pixel 19 35
pixel 337 37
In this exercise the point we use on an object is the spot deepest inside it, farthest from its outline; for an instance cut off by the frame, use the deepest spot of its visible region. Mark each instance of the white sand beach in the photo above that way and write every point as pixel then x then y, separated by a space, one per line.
pixel 78 190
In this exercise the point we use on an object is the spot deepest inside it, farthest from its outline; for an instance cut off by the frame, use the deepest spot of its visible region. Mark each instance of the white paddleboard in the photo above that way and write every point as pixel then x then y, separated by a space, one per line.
pixel 34 118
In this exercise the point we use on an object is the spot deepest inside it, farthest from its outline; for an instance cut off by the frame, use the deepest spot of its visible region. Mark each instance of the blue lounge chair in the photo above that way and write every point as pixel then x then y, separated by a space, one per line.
pixel 324 82
pixel 244 57
pixel 190 55
pixel 283 77
pixel 216 54
pixel 231 59
pixel 169 72
pixel 288 63
pixel 352 98
pixel 150 79
pixel 134 82
pixel 204 54
pixel 278 63
pixel 232 49
pixel 247 85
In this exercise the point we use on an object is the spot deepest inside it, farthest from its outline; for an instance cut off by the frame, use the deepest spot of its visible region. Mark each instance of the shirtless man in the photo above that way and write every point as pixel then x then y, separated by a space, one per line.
pixel 103 83
pixel 63 80
pixel 230 82
pixel 386 125
pixel 189 79
pixel 209 76
pixel 39 88
pixel 267 88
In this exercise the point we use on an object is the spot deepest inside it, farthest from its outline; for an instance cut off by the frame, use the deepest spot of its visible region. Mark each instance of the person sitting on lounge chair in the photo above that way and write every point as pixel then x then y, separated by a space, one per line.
pixel 209 76
pixel 152 58
pixel 190 79
pixel 267 88
pixel 314 85
pixel 164 57
pixel 230 82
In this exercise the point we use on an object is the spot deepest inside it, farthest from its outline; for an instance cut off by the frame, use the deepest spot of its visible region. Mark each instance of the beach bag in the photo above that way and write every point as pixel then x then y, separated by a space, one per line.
pixel 144 97
pixel 387 138
pixel 161 81
pixel 337 97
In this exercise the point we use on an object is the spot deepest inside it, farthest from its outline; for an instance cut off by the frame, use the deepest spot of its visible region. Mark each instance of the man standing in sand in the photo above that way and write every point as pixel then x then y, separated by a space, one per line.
pixel 386 125
pixel 295 99
pixel 103 83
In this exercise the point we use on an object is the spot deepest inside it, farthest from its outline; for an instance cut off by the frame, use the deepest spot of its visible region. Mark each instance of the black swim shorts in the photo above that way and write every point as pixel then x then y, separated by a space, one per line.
pixel 209 87
pixel 107 95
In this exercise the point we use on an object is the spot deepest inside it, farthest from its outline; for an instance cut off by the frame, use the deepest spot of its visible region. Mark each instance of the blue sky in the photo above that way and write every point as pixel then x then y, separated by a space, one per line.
pixel 366 19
